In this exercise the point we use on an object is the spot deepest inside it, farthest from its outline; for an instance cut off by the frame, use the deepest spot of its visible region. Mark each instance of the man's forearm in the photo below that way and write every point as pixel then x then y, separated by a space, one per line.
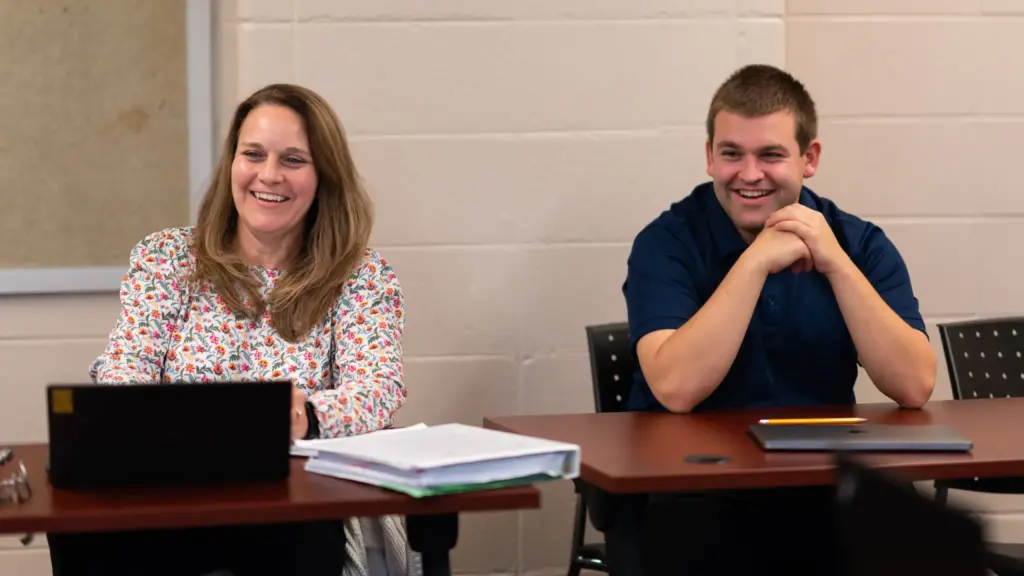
pixel 897 357
pixel 693 361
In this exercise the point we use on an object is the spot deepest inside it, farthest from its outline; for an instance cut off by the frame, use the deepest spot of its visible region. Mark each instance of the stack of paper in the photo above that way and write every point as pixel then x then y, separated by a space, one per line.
pixel 309 448
pixel 426 461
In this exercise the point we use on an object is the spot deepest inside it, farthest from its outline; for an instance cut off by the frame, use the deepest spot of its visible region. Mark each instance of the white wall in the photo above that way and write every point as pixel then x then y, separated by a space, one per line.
pixel 922 117
pixel 514 147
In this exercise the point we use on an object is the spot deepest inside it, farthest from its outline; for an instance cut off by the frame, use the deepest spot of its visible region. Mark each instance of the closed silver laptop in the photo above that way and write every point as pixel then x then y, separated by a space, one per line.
pixel 860 437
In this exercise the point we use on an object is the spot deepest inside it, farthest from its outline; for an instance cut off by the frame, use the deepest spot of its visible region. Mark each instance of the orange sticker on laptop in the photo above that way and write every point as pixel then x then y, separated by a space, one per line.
pixel 62 402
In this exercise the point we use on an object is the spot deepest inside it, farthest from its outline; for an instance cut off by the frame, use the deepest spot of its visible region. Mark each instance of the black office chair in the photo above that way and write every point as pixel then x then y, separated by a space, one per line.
pixel 985 359
pixel 611 365
pixel 611 370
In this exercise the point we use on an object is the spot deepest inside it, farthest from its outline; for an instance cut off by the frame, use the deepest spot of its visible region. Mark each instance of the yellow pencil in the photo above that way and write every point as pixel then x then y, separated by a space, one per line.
pixel 811 420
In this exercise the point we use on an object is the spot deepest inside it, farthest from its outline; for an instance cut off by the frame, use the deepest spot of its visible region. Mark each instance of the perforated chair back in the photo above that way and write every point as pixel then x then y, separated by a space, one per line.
pixel 611 365
pixel 985 358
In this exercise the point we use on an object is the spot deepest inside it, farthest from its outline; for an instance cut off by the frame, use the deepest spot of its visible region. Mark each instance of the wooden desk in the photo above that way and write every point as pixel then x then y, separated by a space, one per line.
pixel 432 522
pixel 628 455
pixel 632 452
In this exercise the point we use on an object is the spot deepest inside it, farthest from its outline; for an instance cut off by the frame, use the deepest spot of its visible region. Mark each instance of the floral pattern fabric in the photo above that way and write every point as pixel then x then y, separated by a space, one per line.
pixel 349 364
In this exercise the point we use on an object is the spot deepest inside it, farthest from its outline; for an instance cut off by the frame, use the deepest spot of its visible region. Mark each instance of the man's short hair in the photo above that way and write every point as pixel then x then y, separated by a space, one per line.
pixel 759 90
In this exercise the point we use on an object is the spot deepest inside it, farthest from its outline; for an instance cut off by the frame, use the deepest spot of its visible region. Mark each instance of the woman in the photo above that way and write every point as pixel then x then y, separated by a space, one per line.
pixel 275 281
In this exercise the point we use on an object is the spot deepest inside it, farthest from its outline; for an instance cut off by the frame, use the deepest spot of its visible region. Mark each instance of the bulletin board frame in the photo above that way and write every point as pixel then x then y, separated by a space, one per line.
pixel 200 99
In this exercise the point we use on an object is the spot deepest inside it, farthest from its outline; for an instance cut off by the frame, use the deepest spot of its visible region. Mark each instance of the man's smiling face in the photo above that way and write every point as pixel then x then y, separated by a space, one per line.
pixel 757 166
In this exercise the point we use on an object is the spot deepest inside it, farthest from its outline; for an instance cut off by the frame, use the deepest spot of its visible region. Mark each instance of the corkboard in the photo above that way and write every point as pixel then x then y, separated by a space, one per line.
pixel 93 129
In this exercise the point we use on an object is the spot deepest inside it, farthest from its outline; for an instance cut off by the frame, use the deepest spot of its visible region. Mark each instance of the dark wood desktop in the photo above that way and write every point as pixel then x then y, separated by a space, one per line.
pixel 625 456
pixel 645 452
pixel 432 522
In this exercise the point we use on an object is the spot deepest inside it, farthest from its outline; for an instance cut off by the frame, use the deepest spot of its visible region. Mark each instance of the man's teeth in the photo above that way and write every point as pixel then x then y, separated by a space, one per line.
pixel 269 197
pixel 753 193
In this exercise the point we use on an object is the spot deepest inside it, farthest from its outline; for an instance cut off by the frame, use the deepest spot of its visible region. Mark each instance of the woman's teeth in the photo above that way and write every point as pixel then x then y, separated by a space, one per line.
pixel 269 197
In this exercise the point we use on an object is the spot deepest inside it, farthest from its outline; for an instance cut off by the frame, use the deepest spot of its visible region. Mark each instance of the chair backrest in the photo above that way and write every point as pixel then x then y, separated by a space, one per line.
pixel 611 365
pixel 985 358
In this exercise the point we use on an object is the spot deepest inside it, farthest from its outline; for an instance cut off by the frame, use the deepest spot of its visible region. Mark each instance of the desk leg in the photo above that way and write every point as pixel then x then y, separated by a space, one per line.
pixel 434 537
pixel 620 517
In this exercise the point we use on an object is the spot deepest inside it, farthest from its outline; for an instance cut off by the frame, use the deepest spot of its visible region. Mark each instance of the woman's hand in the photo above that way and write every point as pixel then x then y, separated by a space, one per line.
pixel 300 425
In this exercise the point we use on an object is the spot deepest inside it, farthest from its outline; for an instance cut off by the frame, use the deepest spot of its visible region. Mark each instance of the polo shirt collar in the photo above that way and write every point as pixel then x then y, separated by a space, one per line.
pixel 724 233
pixel 726 237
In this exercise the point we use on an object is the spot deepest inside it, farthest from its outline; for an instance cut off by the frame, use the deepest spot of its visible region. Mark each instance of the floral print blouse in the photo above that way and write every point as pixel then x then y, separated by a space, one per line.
pixel 349 364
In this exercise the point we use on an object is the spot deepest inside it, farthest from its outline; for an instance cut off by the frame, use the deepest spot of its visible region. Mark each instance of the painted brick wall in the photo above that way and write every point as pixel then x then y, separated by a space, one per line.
pixel 515 147
pixel 922 115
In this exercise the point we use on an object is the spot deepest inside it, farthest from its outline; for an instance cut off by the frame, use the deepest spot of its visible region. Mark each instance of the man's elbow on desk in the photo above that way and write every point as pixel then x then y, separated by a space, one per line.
pixel 674 395
pixel 910 390
pixel 916 393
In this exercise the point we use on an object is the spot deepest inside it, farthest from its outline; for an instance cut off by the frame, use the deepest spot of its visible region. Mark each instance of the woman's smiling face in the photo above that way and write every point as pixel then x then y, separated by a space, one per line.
pixel 273 179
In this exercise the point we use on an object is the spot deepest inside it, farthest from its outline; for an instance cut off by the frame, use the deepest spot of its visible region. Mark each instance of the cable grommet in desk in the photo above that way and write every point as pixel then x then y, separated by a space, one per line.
pixel 707 459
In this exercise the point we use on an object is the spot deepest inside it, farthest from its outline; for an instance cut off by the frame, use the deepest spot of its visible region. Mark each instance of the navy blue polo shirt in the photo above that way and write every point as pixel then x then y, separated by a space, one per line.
pixel 797 349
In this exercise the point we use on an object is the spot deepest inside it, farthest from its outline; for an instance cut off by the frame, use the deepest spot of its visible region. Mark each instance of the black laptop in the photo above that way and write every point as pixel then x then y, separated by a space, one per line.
pixel 172 433
pixel 860 437
pixel 885 528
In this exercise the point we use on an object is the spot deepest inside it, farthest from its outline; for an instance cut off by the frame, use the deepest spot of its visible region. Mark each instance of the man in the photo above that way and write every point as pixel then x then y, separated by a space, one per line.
pixel 754 291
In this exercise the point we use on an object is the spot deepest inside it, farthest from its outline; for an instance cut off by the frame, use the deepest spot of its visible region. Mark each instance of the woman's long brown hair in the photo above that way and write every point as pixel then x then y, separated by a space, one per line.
pixel 337 227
